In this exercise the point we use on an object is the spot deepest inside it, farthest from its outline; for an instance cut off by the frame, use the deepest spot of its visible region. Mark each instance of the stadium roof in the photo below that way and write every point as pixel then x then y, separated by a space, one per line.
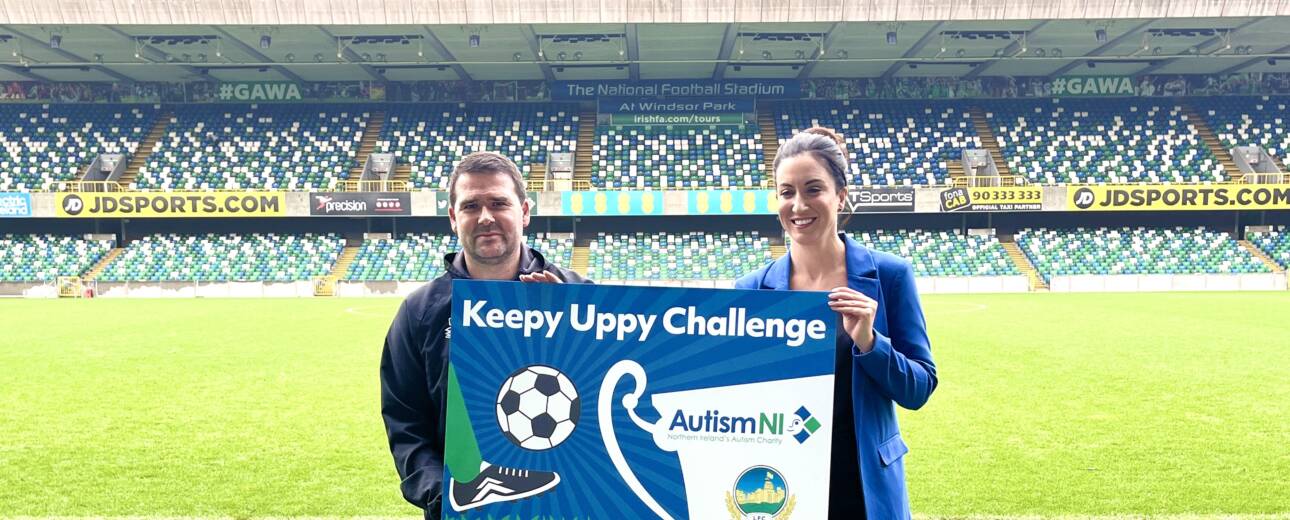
pixel 642 50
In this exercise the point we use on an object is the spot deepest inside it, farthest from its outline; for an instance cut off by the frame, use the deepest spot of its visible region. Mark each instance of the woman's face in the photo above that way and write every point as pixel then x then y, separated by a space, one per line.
pixel 809 200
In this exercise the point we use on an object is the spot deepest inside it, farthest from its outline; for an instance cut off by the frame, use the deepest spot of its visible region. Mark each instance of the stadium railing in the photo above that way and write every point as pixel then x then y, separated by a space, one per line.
pixel 989 181
pixel 389 185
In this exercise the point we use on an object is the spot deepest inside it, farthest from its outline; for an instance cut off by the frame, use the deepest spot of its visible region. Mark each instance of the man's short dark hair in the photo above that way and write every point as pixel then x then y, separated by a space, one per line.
pixel 489 163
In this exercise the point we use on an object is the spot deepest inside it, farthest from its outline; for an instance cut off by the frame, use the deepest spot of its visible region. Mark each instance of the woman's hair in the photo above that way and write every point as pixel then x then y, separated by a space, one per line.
pixel 825 145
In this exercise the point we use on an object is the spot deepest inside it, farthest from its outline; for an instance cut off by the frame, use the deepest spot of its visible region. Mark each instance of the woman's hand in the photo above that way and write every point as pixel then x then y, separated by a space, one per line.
pixel 541 277
pixel 858 312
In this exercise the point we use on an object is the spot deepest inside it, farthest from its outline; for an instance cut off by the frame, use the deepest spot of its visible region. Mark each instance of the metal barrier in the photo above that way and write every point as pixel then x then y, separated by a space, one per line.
pixel 390 185
pixel 977 181
pixel 87 186
pixel 1265 178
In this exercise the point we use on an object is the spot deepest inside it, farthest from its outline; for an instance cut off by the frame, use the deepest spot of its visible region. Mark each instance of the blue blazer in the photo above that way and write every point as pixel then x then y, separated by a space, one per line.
pixel 898 370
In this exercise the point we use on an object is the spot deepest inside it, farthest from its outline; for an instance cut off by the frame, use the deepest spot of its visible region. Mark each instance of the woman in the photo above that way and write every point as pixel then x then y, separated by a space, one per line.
pixel 883 355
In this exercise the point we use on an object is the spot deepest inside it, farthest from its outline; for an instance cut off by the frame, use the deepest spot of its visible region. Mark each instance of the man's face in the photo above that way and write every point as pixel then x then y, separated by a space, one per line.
pixel 488 217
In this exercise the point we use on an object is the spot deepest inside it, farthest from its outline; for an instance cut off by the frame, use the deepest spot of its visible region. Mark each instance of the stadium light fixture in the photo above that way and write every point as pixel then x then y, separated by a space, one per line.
pixel 517 56
pixel 891 37
pixel 291 57
pixel 1056 52
pixel 265 41
pixel 318 57
pixel 55 41
pixel 1100 35
pixel 473 41
pixel 766 55
pixel 960 53
pixel 842 53
pixel 577 56
pixel 561 56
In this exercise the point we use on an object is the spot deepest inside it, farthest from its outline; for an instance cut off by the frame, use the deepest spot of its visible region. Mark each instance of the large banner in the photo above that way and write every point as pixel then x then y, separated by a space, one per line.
pixel 595 401
pixel 880 199
pixel 1179 197
pixel 998 198
pixel 671 88
pixel 15 205
pixel 731 202
pixel 360 204
pixel 640 202
pixel 172 204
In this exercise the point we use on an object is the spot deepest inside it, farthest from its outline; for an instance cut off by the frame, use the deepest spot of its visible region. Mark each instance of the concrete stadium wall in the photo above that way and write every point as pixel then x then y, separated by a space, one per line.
pixel 1169 282
pixel 302 289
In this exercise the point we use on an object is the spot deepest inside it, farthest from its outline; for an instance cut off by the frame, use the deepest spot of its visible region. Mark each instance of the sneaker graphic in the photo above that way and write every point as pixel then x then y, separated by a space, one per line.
pixel 498 484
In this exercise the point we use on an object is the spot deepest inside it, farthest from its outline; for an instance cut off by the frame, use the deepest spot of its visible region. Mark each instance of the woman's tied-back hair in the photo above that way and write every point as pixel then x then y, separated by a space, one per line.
pixel 825 145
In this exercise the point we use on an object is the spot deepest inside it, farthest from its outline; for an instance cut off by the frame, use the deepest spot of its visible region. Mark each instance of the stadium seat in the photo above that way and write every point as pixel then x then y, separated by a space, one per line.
pixel 44 258
pixel 1275 243
pixel 44 144
pixel 942 253
pixel 255 257
pixel 1249 120
pixel 1135 250
pixel 676 256
pixel 267 147
pixel 677 157
pixel 431 138
pixel 418 257
pixel 890 142
pixel 1084 141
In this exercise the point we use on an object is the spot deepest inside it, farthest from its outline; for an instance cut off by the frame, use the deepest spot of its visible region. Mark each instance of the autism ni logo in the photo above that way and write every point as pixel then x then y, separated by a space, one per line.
pixel 801 426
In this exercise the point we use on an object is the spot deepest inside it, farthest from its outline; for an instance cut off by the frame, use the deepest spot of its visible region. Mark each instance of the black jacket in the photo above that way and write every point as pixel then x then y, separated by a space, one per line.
pixel 414 377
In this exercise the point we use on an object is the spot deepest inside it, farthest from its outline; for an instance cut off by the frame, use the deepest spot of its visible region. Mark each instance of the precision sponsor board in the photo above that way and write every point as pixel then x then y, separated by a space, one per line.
pixel 15 205
pixel 172 204
pixel 867 199
pixel 998 198
pixel 360 204
pixel 599 394
pixel 1179 197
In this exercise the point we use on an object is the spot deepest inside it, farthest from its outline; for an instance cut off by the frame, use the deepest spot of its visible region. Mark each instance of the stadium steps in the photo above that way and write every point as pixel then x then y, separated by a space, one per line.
pixel 402 172
pixel 1023 264
pixel 581 259
pixel 347 256
pixel 1262 256
pixel 583 157
pixel 145 148
pixel 988 141
pixel 778 250
pixel 769 140
pixel 370 134
pixel 1215 146
pixel 102 264
pixel 537 172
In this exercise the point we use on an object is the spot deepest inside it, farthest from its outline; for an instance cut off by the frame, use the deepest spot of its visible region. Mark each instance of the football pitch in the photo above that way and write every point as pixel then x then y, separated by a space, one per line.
pixel 1049 405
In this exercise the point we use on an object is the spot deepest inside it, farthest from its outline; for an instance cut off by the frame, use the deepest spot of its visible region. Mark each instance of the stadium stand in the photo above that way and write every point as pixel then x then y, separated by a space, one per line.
pixel 1275 243
pixel 44 144
pixel 1240 121
pixel 890 142
pixel 432 138
pixel 942 253
pixel 1113 140
pixel 676 256
pixel 43 258
pixel 674 157
pixel 263 257
pixel 420 256
pixel 271 146
pixel 1135 250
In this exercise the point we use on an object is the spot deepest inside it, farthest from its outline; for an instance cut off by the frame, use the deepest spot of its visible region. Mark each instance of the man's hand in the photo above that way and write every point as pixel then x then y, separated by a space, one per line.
pixel 541 277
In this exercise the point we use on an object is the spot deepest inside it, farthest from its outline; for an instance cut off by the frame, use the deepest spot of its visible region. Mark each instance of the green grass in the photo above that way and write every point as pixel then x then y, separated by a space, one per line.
pixel 1049 406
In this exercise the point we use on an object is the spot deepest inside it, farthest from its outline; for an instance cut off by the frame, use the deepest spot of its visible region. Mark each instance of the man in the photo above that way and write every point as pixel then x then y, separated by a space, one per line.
pixel 418 388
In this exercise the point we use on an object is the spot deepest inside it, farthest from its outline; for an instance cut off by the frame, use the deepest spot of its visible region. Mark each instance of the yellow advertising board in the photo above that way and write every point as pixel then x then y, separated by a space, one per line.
pixel 172 204
pixel 1179 197
pixel 993 198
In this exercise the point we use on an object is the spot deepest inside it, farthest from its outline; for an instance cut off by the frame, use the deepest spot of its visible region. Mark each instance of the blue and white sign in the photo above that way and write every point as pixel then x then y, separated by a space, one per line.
pixel 590 401
pixel 15 205
pixel 635 105
pixel 670 88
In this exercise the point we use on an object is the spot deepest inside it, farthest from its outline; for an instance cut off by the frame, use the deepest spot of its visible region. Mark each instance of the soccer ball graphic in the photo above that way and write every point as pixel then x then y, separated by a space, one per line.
pixel 537 407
